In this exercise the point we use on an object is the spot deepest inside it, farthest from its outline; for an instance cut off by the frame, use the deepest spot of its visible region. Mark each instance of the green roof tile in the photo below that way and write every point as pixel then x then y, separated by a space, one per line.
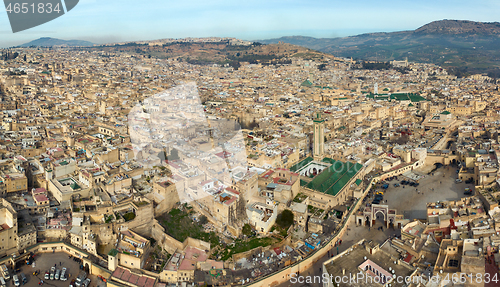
pixel 306 83
pixel 301 164
pixel 334 178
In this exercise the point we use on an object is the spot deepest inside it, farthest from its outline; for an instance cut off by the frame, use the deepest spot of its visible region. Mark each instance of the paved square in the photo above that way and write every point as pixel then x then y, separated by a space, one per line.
pixel 406 200
pixel 43 262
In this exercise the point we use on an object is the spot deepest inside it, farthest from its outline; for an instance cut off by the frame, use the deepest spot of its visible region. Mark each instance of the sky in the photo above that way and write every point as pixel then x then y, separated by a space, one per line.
pixel 108 21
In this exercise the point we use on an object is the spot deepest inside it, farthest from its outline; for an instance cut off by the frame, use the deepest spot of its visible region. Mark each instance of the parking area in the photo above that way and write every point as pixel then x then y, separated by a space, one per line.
pixel 43 262
pixel 412 201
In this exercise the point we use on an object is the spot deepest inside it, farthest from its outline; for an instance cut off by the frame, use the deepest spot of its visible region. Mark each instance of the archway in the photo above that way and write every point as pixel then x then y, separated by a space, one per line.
pixel 382 218
pixel 367 221
pixel 87 268
pixel 391 223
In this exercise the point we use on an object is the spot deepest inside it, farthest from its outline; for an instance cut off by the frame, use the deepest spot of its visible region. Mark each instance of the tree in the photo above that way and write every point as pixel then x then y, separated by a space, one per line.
pixel 247 229
pixel 285 219
pixel 235 64
pixel 203 220
pixel 322 67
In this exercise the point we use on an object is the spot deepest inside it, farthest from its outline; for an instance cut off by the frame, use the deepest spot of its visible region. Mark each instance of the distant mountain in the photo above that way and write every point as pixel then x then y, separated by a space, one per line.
pixel 50 42
pixel 460 27
pixel 450 43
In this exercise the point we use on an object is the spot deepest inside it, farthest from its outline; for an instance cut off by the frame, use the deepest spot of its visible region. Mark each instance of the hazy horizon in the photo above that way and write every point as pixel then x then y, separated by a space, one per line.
pixel 122 21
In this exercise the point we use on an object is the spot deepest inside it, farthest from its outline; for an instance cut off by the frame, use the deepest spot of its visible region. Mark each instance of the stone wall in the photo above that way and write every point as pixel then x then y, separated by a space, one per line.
pixel 98 270
pixel 170 244
pixel 167 242
pixel 444 159
pixel 143 221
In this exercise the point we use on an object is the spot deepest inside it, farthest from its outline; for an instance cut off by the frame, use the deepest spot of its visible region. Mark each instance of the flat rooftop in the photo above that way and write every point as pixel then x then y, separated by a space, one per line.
pixel 355 258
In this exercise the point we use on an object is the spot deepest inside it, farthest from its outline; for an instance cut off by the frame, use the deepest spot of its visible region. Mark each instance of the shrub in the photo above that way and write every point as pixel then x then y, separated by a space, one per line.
pixel 129 216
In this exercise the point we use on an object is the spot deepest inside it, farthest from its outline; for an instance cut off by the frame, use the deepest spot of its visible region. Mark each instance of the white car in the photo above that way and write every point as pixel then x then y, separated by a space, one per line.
pixel 16 280
pixel 458 180
pixel 52 271
pixel 63 275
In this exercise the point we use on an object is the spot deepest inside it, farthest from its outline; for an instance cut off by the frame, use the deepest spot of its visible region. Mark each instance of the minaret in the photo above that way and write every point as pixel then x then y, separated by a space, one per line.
pixel 319 138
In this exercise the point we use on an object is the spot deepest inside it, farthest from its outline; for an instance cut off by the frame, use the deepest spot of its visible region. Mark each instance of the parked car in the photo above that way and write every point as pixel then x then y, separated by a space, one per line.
pixel 86 282
pixel 80 279
pixel 458 180
pixel 467 191
pixel 52 272
pixel 396 184
pixel 24 280
pixel 47 275
pixel 376 201
pixel 16 280
pixel 5 272
pixel 58 272
pixel 63 275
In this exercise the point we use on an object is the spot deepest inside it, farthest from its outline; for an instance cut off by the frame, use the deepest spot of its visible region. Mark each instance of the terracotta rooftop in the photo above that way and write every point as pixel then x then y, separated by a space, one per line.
pixel 133 279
